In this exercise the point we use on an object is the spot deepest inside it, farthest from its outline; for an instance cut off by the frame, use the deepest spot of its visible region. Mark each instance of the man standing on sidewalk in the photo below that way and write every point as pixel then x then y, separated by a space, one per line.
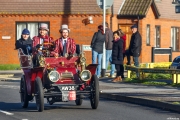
pixel 109 44
pixel 135 45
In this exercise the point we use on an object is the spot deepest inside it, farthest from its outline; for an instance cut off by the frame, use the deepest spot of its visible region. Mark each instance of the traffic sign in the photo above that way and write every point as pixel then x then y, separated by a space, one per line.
pixel 108 3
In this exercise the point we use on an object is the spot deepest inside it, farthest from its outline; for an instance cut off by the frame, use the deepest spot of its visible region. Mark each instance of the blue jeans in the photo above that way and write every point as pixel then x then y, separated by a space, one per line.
pixel 136 61
pixel 95 56
pixel 109 59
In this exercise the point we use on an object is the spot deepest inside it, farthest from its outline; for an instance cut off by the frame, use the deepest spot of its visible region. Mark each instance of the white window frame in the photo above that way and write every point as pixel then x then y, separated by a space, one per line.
pixel 28 25
pixel 157 36
pixel 148 30
pixel 174 38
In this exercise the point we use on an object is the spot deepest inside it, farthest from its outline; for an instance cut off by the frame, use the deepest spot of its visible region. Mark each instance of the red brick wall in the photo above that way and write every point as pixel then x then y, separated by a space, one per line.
pixel 165 25
pixel 81 32
pixel 165 34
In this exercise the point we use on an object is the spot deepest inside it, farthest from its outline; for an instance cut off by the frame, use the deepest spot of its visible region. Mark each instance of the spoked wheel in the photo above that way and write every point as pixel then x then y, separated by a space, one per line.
pixel 39 94
pixel 23 93
pixel 94 97
pixel 79 100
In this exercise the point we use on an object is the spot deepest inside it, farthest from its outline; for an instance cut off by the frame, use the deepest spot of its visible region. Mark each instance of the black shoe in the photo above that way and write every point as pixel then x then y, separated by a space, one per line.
pixel 128 64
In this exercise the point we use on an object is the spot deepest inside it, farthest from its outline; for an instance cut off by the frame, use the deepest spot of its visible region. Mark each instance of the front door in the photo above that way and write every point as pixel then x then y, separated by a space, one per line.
pixel 126 28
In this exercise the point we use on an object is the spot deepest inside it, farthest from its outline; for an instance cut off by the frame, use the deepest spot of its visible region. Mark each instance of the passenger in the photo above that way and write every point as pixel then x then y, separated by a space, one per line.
pixel 65 46
pixel 43 41
pixel 25 42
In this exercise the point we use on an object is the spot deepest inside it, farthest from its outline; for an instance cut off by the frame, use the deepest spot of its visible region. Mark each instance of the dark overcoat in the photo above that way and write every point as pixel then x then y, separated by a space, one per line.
pixel 21 43
pixel 98 41
pixel 135 44
pixel 117 52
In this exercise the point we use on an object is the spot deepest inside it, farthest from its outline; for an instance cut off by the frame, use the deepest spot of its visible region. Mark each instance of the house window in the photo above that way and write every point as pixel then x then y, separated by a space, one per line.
pixel 158 0
pixel 175 42
pixel 148 35
pixel 31 26
pixel 157 36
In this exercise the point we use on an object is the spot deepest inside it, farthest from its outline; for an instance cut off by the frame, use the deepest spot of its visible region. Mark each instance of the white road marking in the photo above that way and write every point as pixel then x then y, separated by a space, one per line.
pixel 9 86
pixel 7 113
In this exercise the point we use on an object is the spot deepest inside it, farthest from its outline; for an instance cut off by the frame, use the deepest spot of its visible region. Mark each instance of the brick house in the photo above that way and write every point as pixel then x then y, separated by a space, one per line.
pixel 158 24
pixel 15 15
pixel 157 18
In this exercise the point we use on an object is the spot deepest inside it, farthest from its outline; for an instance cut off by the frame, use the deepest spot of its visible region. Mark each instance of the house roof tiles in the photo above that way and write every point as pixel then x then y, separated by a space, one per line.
pixel 137 8
pixel 49 7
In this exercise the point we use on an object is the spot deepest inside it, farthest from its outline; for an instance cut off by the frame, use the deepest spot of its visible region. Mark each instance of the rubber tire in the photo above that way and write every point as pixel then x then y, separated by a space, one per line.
pixel 39 94
pixel 79 100
pixel 23 93
pixel 94 97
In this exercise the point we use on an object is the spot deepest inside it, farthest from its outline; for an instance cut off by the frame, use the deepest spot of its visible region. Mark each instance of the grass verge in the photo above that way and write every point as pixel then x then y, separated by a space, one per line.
pixel 145 82
pixel 10 67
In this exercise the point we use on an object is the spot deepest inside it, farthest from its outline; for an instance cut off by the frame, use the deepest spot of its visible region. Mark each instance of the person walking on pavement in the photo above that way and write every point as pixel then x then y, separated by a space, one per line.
pixel 135 45
pixel 97 48
pixel 25 42
pixel 109 44
pixel 117 55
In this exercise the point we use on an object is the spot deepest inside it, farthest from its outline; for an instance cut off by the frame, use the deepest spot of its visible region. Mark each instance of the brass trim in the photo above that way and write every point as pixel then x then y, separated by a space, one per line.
pixel 81 75
pixel 56 72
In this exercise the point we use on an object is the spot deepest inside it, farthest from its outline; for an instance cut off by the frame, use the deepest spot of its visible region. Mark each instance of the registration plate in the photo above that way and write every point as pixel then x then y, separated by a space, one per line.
pixel 68 95
pixel 68 88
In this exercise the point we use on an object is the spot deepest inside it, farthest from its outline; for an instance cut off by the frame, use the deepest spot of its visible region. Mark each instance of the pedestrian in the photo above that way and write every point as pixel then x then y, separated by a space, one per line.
pixel 97 48
pixel 25 42
pixel 123 36
pixel 65 46
pixel 135 45
pixel 117 55
pixel 108 46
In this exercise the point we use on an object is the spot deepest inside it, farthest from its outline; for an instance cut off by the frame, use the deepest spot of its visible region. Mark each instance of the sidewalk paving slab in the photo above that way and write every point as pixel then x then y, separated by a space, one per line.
pixel 163 97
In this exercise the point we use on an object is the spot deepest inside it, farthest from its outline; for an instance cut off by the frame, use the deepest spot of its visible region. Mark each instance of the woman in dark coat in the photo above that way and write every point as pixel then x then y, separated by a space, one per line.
pixel 97 48
pixel 117 55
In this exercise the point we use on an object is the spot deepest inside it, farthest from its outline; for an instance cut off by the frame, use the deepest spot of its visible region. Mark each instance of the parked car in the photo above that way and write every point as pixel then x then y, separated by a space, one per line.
pixel 60 79
pixel 176 63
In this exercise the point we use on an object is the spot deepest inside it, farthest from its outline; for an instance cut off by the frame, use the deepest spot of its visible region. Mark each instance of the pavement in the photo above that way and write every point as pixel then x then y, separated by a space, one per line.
pixel 163 97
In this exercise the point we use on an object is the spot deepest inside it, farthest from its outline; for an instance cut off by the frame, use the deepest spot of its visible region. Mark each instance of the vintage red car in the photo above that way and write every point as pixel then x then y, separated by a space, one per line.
pixel 58 79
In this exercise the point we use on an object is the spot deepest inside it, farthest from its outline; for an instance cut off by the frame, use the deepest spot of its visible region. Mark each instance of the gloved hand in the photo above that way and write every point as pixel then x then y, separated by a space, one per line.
pixel 28 47
pixel 38 46
pixel 70 55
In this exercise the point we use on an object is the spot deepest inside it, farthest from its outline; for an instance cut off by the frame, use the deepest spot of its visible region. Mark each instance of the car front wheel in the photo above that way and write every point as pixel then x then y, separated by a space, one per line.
pixel 39 94
pixel 23 92
pixel 94 96
pixel 79 100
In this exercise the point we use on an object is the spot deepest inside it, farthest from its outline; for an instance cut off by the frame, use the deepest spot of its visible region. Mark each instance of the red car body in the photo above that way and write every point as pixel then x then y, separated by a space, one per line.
pixel 73 83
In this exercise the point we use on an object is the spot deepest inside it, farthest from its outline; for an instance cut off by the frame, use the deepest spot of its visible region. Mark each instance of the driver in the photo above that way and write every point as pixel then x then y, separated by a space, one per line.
pixel 65 46
pixel 43 41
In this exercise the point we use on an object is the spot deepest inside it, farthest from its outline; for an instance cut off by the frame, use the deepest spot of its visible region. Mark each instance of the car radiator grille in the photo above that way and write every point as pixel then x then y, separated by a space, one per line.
pixel 67 75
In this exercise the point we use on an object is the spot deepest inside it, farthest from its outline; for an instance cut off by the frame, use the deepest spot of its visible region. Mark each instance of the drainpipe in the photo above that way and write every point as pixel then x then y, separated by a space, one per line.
pixel 138 22
pixel 112 14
